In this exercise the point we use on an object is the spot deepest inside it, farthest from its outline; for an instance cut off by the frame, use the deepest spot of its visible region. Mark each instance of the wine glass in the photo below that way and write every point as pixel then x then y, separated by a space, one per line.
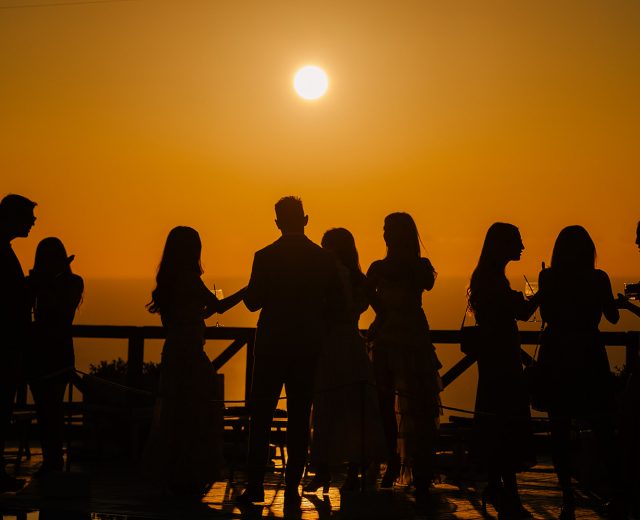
pixel 220 295
pixel 531 288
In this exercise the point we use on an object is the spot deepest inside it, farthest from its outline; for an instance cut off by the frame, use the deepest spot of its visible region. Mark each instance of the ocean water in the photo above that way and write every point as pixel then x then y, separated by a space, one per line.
pixel 122 302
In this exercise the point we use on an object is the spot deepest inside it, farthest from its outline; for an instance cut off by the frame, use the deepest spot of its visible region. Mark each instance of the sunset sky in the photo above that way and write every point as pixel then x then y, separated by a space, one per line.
pixel 124 119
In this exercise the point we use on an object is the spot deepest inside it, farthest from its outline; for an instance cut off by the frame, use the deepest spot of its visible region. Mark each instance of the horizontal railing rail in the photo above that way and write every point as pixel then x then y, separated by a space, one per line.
pixel 244 336
pixel 136 336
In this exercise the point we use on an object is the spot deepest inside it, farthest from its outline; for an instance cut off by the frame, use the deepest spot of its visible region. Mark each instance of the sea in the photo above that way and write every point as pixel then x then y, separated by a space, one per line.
pixel 122 302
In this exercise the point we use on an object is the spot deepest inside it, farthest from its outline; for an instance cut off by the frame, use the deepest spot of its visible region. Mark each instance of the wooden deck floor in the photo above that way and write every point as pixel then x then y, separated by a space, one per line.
pixel 118 493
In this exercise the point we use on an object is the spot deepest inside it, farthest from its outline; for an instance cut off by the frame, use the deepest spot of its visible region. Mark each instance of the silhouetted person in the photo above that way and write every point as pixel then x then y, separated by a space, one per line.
pixel 575 296
pixel 183 455
pixel 295 284
pixel 404 358
pixel 503 441
pixel 55 295
pixel 346 414
pixel 630 417
pixel 16 220
pixel 622 301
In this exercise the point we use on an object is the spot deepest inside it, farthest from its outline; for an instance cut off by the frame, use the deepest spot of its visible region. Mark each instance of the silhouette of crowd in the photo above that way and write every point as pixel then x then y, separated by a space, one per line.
pixel 351 400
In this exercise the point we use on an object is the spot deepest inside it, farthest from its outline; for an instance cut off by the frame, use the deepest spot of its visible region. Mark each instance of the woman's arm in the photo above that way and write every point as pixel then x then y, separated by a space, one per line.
pixel 371 288
pixel 230 301
pixel 427 274
pixel 360 301
pixel 213 305
pixel 622 302
pixel 523 307
pixel 609 305
pixel 59 298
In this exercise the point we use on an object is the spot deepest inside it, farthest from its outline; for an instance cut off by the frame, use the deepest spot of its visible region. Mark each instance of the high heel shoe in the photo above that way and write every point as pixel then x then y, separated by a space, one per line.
pixel 319 480
pixel 491 495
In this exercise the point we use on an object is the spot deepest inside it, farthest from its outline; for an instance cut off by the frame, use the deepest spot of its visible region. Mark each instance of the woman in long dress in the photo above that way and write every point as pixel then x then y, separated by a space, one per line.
pixel 573 356
pixel 404 359
pixel 503 441
pixel 184 451
pixel 346 415
pixel 56 293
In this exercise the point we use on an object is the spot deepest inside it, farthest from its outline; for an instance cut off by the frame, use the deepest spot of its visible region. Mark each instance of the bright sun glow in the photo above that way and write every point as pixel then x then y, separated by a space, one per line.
pixel 311 82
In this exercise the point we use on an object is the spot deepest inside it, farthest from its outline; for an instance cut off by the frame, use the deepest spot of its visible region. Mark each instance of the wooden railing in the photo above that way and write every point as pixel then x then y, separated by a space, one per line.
pixel 244 336
pixel 136 336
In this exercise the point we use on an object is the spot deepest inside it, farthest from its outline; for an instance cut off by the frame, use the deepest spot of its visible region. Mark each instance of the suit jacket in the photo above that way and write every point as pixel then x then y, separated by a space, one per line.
pixel 296 285
pixel 15 309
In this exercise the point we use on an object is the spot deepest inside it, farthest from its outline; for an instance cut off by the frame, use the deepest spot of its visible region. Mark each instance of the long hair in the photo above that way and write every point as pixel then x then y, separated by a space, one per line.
pixel 401 236
pixel 181 256
pixel 340 241
pixel 51 258
pixel 573 250
pixel 496 250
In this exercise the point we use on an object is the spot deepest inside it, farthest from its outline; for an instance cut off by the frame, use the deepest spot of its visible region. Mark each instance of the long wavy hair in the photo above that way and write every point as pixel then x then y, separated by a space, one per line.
pixel 401 236
pixel 495 254
pixel 574 250
pixel 340 242
pixel 51 258
pixel 181 256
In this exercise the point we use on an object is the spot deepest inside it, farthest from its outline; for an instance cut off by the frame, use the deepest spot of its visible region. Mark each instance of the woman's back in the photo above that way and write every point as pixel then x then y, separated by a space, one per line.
pixel 56 301
pixel 54 305
pixel 576 299
pixel 399 283
pixel 184 303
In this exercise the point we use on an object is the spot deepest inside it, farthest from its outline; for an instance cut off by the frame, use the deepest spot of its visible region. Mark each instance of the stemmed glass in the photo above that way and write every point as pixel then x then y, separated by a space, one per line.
pixel 220 295
pixel 530 288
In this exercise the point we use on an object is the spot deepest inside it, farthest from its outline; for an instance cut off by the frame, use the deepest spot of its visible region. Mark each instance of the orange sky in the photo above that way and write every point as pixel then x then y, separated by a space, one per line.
pixel 124 119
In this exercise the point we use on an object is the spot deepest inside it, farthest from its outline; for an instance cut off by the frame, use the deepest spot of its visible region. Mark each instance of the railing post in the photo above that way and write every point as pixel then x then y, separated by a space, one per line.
pixel 135 358
pixel 249 367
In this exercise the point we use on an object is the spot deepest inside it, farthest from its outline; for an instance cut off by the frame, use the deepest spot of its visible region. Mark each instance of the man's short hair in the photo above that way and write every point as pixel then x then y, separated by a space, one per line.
pixel 12 206
pixel 289 209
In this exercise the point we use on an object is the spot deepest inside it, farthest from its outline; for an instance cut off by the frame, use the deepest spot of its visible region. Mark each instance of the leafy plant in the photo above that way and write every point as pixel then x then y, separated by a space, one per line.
pixel 116 371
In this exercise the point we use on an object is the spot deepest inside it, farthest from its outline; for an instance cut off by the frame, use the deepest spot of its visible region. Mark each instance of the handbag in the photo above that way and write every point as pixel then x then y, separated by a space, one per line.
pixel 536 378
pixel 470 337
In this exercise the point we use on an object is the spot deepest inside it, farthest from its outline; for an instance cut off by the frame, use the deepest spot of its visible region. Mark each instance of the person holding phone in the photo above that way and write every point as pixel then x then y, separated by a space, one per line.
pixel 55 294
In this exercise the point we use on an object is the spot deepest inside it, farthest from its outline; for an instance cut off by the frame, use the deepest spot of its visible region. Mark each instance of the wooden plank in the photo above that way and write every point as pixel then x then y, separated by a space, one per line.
pixel 228 353
pixel 456 370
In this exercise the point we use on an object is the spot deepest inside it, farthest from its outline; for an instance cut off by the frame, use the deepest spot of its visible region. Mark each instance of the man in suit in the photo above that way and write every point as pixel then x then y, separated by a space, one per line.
pixel 16 220
pixel 295 284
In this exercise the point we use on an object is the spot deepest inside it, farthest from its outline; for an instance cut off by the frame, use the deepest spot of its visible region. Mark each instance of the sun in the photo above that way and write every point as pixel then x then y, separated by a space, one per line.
pixel 311 82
